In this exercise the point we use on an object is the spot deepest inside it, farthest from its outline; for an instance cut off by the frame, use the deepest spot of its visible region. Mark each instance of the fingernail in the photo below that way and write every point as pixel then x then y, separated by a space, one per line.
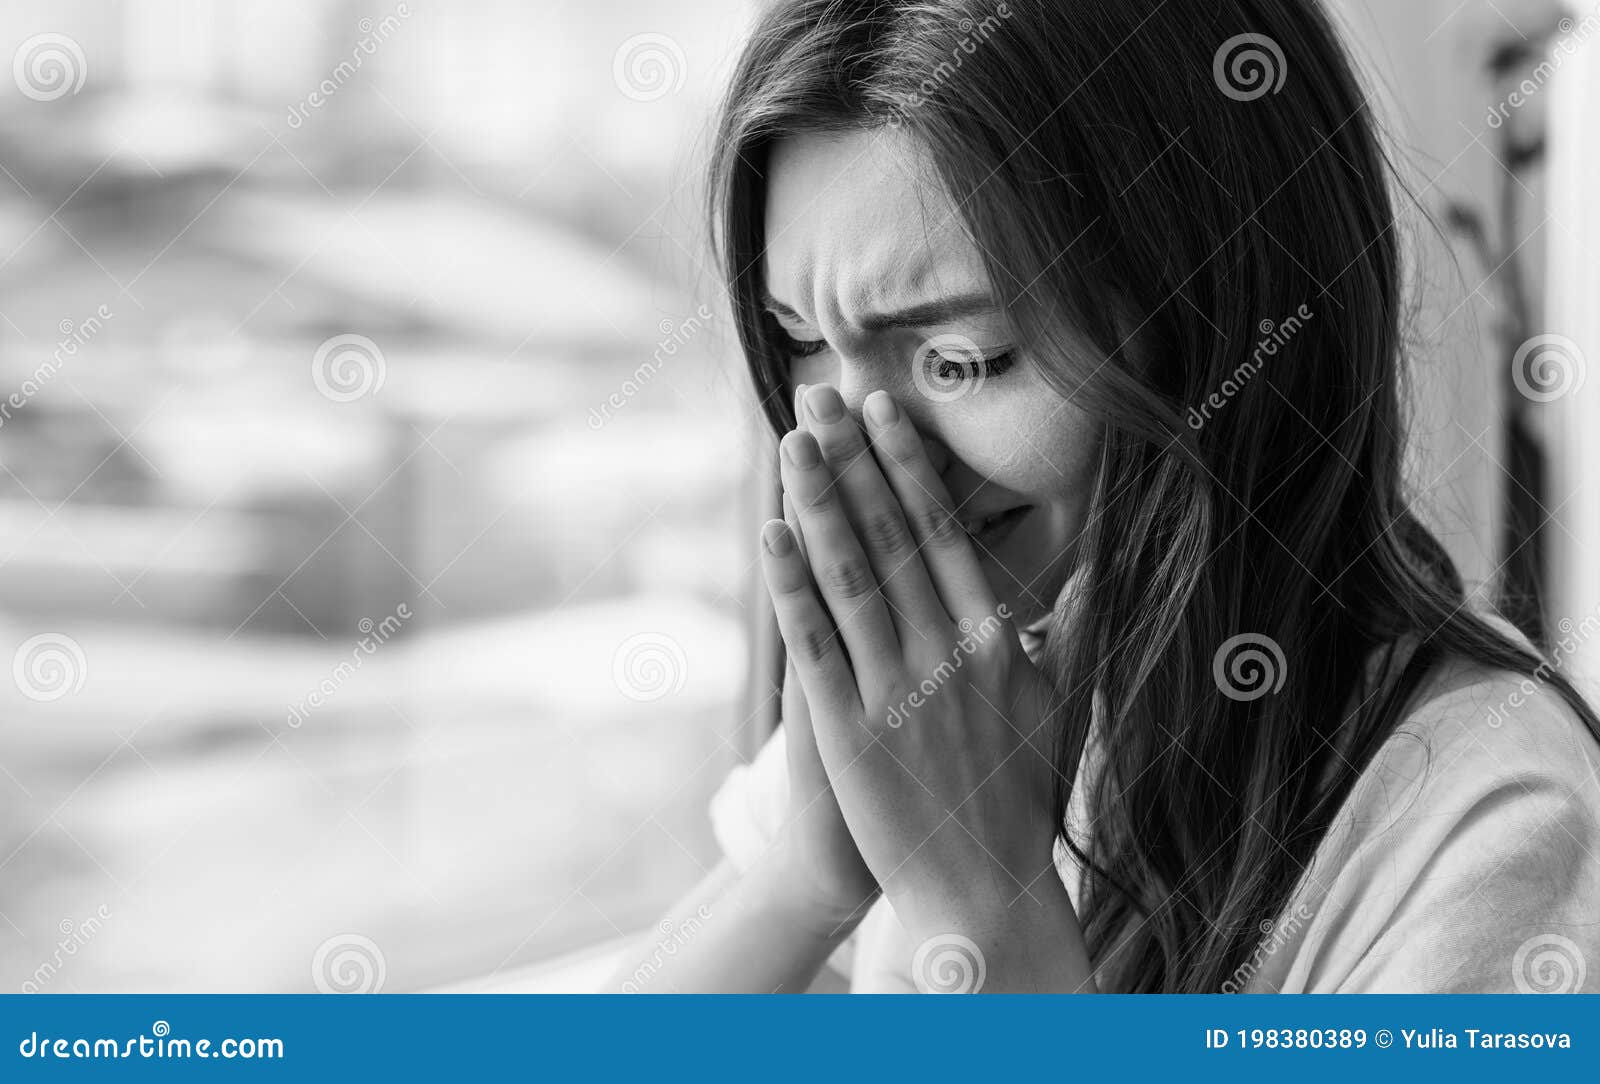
pixel 801 448
pixel 882 409
pixel 799 400
pixel 776 537
pixel 825 404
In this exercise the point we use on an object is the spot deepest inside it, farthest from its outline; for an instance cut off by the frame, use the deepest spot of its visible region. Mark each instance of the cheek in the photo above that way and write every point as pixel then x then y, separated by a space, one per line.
pixel 820 368
pixel 1033 444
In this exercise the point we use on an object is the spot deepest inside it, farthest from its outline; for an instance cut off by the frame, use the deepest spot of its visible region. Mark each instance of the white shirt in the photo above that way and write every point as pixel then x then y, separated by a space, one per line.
pixel 1465 859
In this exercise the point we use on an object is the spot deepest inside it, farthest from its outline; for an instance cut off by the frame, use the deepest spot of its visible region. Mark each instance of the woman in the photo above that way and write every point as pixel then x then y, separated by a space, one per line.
pixel 1117 660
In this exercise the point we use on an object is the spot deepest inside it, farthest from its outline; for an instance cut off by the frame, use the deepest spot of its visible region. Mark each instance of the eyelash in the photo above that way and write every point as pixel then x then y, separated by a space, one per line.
pixel 798 348
pixel 986 367
pixel 991 366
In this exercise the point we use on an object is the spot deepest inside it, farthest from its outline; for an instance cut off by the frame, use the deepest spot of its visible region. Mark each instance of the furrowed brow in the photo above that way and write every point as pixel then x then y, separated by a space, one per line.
pixel 944 310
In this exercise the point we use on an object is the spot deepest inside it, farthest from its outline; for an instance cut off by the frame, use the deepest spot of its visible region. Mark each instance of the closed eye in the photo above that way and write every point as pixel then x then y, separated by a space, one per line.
pixel 955 366
pixel 792 347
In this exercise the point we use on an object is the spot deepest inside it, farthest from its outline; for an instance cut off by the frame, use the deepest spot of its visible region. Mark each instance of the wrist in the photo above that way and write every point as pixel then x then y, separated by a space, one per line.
pixel 1032 943
pixel 788 886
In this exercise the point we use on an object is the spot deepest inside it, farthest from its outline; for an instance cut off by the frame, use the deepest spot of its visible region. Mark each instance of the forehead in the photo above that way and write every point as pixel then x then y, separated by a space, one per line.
pixel 859 222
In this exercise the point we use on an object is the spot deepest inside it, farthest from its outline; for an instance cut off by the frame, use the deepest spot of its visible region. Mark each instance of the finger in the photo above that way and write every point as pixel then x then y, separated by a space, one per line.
pixel 796 715
pixel 842 573
pixel 946 550
pixel 874 513
pixel 808 635
pixel 802 740
pixel 792 518
pixel 806 772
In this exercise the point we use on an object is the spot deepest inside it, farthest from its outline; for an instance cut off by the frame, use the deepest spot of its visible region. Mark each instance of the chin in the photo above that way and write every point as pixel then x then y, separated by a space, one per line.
pixel 1007 588
pixel 1027 587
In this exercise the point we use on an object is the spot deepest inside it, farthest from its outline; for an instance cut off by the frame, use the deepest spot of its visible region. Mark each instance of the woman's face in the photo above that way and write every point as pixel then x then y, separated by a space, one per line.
pixel 870 272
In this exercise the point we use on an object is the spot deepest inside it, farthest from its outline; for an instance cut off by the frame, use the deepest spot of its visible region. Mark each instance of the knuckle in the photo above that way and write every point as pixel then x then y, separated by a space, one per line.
pixel 991 651
pixel 849 578
pixel 904 452
pixel 937 526
pixel 885 532
pixel 813 646
pixel 796 589
pixel 825 499
pixel 844 449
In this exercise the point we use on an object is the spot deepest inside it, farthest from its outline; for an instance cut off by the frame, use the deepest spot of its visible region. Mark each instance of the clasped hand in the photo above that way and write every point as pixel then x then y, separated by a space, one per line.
pixel 919 758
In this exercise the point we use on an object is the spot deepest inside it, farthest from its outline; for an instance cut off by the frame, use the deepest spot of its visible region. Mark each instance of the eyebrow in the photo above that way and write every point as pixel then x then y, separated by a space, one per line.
pixel 942 310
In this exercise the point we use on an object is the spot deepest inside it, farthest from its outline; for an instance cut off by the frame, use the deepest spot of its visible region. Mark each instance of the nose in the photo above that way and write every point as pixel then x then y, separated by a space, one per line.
pixel 854 392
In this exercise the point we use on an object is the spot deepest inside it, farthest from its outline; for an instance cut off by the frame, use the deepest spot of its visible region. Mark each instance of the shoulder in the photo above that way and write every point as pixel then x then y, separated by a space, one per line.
pixel 1478 742
pixel 1471 835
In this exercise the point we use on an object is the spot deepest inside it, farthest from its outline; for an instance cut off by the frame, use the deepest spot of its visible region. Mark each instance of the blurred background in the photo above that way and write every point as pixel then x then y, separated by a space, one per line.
pixel 374 510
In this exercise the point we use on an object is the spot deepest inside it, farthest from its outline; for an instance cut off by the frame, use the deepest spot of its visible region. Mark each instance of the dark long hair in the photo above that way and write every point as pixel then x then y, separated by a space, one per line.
pixel 1144 179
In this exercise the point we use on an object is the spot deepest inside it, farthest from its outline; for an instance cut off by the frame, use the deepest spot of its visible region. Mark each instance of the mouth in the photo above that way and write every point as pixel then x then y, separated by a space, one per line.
pixel 991 530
